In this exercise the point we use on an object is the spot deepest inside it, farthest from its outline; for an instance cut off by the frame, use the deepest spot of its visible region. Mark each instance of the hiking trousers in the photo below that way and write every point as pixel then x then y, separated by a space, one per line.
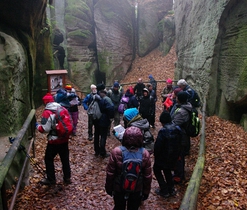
pixel 51 151
pixel 164 179
pixel 90 125
pixel 100 136
pixel 133 202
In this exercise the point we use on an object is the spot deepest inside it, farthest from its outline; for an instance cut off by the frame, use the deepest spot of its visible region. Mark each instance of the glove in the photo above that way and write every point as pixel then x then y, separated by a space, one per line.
pixel 144 197
pixel 36 125
pixel 116 134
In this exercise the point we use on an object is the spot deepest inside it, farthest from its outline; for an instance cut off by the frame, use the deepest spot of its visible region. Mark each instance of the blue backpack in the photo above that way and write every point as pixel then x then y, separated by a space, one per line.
pixel 131 169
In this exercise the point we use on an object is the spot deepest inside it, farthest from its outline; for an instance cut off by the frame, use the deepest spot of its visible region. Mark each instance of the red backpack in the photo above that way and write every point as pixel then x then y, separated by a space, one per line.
pixel 64 125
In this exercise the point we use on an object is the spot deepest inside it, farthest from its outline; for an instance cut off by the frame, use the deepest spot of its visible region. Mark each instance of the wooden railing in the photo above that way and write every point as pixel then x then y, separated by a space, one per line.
pixel 189 201
pixel 28 126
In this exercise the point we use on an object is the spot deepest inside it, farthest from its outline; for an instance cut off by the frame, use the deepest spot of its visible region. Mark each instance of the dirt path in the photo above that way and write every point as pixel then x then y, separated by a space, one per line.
pixel 88 172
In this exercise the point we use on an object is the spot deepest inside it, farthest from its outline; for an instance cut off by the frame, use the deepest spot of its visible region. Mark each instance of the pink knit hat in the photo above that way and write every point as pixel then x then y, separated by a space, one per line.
pixel 169 81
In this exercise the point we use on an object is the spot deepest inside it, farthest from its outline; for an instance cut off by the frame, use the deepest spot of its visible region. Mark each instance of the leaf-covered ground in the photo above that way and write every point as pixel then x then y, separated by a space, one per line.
pixel 223 185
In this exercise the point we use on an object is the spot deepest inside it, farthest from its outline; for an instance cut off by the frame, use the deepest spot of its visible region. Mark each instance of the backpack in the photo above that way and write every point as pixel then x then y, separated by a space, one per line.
pixel 64 125
pixel 148 141
pixel 193 126
pixel 195 99
pixel 94 110
pixel 123 104
pixel 131 175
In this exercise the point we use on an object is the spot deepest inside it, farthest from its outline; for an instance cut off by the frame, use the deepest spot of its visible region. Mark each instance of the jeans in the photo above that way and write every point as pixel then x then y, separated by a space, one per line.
pixel 51 151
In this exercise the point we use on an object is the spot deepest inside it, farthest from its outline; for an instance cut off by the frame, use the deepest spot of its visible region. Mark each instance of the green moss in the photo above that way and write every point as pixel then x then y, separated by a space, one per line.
pixel 106 10
pixel 104 61
pixel 81 33
pixel 160 25
pixel 170 12
pixel 88 65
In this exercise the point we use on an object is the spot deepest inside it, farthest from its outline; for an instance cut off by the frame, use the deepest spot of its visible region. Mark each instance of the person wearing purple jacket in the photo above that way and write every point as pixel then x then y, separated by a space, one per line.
pixel 132 140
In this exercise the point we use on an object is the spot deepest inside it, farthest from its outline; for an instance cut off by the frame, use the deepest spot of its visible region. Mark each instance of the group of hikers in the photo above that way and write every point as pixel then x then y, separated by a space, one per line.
pixel 129 170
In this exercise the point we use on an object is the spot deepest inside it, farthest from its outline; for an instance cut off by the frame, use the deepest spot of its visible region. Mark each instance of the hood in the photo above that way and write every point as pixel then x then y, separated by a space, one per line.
pixel 132 137
pixel 52 106
pixel 187 106
pixel 143 124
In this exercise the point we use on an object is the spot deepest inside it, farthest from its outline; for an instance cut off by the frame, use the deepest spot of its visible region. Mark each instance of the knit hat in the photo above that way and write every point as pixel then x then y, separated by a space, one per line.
pixel 169 81
pixel 165 117
pixel 130 113
pixel 103 91
pixel 48 98
pixel 100 87
pixel 150 76
pixel 176 91
pixel 116 84
pixel 68 87
pixel 145 90
pixel 182 82
pixel 132 137
pixel 93 86
pixel 182 97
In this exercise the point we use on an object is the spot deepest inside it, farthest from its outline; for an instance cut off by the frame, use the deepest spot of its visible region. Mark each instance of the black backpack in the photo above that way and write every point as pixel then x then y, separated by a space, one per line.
pixel 193 126
pixel 131 175
pixel 195 99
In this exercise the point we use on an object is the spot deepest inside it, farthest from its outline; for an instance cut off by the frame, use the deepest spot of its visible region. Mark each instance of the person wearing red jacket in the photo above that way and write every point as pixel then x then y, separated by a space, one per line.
pixel 132 140
pixel 55 145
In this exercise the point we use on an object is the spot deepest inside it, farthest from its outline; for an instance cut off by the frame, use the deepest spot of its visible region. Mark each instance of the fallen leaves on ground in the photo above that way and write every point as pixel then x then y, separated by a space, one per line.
pixel 223 183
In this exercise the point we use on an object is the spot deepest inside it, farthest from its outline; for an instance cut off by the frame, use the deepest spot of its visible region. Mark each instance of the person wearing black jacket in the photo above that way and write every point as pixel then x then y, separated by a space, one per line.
pixel 166 152
pixel 147 105
pixel 139 88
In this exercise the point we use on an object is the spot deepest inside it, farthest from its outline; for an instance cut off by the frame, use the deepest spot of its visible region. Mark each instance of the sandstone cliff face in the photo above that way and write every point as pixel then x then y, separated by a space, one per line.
pixel 114 38
pixel 80 42
pixel 23 38
pixel 149 22
pixel 100 37
pixel 211 47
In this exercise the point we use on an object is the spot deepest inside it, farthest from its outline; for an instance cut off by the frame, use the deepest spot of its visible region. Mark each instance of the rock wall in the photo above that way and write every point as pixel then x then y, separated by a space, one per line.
pixel 150 21
pixel 100 36
pixel 80 35
pixel 211 47
pixel 23 39
pixel 114 38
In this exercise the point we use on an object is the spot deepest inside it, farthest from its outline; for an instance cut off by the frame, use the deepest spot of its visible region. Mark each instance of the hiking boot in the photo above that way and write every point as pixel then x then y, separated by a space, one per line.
pixel 47 182
pixel 162 193
pixel 96 154
pixel 67 181
pixel 172 192
pixel 90 137
pixel 105 155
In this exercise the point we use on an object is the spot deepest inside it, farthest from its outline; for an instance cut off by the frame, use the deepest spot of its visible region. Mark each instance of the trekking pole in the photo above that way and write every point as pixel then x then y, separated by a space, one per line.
pixel 32 161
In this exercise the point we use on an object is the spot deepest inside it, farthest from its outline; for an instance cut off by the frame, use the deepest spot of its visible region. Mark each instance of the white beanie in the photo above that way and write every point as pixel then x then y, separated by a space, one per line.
pixel 93 86
pixel 182 82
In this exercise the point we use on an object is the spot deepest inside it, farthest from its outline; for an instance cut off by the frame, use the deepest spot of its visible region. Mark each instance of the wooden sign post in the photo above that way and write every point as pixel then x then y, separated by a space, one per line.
pixel 55 80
